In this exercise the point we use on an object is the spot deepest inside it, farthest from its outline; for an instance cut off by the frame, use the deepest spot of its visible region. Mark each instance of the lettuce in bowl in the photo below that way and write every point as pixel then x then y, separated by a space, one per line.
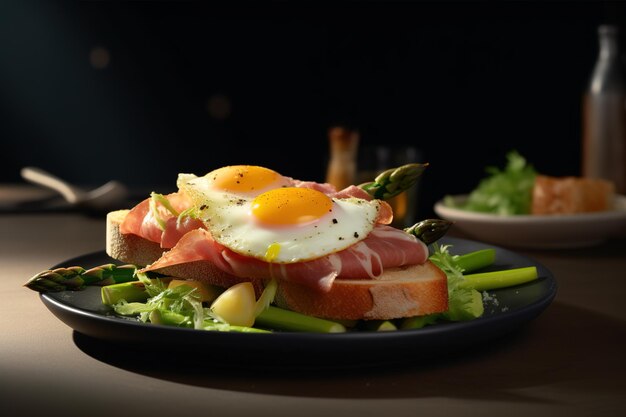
pixel 505 191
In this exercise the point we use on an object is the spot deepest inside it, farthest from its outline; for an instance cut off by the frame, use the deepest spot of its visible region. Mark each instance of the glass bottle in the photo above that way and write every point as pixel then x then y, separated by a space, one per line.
pixel 604 115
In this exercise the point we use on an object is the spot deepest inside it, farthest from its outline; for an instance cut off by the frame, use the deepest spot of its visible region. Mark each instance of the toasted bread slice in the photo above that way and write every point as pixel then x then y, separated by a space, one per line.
pixel 568 195
pixel 409 291
pixel 401 292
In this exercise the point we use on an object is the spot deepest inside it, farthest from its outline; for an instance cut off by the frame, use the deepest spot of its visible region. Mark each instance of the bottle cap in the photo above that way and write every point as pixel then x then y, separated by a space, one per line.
pixel 608 30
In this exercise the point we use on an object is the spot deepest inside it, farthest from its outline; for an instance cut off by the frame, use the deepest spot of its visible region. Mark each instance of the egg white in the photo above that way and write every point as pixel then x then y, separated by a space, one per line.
pixel 229 218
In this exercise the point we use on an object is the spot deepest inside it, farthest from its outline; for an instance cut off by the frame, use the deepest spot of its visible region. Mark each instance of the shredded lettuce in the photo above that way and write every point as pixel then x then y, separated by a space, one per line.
pixel 181 306
pixel 153 287
pixel 168 302
pixel 191 212
pixel 156 198
pixel 131 309
pixel 503 192
pixel 266 298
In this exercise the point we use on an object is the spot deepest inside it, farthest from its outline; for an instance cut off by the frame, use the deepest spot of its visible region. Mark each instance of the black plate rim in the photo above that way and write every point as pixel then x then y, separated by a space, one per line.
pixel 475 330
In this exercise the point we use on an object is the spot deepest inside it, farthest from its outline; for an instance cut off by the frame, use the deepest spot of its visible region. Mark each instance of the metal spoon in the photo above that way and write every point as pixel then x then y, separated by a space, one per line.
pixel 101 198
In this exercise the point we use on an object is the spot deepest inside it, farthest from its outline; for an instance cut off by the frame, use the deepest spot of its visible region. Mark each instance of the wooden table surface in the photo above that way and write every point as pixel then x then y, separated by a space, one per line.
pixel 569 361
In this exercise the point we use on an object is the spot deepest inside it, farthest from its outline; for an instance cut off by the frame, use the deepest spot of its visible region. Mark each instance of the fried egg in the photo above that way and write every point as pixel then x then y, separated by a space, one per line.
pixel 266 218
pixel 231 182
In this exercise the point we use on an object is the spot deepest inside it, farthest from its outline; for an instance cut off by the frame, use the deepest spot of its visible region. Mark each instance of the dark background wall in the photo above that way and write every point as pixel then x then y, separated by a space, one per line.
pixel 140 91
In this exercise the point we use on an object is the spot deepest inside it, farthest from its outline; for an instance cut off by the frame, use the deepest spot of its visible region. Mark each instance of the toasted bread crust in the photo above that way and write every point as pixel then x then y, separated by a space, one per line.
pixel 128 247
pixel 401 292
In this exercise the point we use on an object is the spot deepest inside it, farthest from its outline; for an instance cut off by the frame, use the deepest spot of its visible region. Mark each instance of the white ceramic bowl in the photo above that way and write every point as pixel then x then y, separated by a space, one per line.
pixel 539 231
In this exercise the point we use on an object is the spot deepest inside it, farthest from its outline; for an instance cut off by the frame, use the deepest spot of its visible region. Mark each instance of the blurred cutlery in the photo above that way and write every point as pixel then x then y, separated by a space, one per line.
pixel 102 198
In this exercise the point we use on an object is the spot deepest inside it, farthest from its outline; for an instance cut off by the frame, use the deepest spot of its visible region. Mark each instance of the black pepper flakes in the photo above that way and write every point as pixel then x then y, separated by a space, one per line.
pixel 335 221
pixel 356 235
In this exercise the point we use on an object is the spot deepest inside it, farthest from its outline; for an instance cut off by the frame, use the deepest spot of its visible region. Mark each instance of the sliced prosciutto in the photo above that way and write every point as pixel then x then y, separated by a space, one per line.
pixel 384 247
pixel 141 221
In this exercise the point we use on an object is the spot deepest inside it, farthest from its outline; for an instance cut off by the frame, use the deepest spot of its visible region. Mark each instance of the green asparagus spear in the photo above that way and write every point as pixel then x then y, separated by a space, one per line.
pixel 500 279
pixel 130 291
pixel 429 230
pixel 170 318
pixel 476 260
pixel 76 278
pixel 278 318
pixel 394 181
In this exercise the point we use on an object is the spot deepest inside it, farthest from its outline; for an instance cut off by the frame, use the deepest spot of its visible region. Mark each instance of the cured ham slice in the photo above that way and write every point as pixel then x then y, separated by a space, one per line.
pixel 384 247
pixel 176 228
pixel 140 221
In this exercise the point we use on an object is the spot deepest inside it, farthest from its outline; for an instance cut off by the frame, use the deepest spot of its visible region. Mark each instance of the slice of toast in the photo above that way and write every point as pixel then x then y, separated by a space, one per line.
pixel 410 291
pixel 401 292
pixel 568 195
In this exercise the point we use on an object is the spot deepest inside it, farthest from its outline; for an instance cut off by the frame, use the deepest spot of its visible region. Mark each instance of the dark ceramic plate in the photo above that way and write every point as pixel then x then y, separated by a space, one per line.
pixel 510 308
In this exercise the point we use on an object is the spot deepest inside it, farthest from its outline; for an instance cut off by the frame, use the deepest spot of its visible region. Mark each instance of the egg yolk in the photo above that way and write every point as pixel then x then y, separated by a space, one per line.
pixel 290 206
pixel 242 178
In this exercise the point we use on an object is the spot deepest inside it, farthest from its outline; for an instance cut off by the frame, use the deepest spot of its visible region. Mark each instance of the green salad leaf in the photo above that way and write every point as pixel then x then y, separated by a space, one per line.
pixel 464 303
pixel 181 306
pixel 503 192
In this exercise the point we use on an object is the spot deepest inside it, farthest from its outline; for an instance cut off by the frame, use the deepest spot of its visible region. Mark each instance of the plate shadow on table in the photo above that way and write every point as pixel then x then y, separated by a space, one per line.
pixel 559 347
